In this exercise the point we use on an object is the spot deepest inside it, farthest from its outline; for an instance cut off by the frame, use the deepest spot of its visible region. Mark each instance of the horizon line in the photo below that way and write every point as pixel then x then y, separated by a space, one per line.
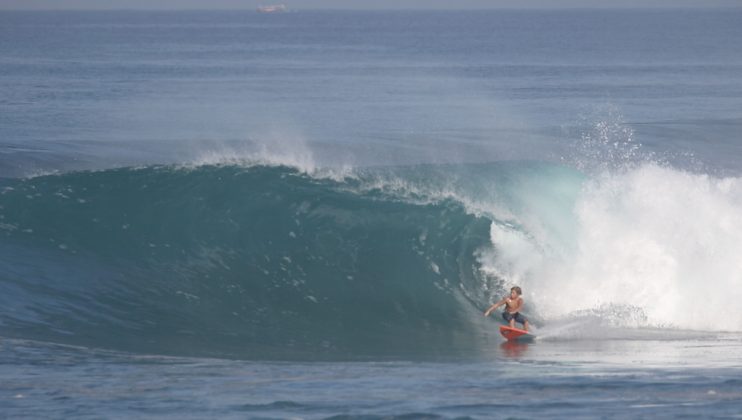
pixel 410 9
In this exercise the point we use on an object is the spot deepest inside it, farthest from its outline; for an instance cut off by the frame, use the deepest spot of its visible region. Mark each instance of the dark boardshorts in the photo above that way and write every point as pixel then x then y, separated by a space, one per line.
pixel 517 316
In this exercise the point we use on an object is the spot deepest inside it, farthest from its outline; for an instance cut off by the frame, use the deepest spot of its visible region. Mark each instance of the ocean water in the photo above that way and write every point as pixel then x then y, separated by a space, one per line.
pixel 303 215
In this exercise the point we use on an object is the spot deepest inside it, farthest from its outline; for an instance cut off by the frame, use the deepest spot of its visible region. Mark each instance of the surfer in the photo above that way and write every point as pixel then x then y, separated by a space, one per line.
pixel 513 305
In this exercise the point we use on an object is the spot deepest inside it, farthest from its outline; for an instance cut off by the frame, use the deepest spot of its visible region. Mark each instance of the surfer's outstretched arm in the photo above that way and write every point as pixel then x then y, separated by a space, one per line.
pixel 494 306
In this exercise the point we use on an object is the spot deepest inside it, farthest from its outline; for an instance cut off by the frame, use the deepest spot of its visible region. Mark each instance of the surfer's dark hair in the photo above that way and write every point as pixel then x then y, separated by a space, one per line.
pixel 517 290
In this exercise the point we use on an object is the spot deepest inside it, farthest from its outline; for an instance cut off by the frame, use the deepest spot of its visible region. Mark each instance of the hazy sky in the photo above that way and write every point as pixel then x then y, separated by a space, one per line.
pixel 354 4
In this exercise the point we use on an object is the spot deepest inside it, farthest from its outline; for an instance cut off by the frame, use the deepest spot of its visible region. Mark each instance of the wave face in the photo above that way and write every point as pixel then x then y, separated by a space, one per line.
pixel 233 261
pixel 271 262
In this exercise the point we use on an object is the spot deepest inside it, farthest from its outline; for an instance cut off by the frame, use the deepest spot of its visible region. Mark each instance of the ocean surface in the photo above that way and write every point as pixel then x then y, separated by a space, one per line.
pixel 304 214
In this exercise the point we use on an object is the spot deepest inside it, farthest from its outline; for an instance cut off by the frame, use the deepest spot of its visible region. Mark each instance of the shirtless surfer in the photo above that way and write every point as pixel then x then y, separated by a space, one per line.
pixel 513 305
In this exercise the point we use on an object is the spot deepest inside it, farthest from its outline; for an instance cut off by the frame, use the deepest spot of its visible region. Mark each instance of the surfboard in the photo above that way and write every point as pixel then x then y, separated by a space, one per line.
pixel 512 334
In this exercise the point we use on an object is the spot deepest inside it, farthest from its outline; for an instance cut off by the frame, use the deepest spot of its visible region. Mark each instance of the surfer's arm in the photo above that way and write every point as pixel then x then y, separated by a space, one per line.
pixel 493 307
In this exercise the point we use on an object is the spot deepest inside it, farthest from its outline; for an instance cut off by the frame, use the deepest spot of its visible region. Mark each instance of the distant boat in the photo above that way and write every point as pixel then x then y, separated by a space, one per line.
pixel 275 8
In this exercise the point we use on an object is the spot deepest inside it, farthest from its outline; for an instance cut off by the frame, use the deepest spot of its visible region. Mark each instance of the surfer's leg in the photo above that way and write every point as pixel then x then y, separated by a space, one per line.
pixel 523 320
pixel 509 318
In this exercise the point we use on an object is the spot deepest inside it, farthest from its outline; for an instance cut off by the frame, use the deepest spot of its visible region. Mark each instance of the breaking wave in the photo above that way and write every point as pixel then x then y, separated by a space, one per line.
pixel 266 261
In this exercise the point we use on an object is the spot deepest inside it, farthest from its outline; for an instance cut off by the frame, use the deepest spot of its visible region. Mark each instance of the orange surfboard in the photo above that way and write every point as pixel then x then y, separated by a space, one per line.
pixel 512 334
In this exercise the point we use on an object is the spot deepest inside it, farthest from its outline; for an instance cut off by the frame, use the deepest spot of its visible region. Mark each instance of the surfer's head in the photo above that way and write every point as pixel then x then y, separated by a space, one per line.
pixel 516 290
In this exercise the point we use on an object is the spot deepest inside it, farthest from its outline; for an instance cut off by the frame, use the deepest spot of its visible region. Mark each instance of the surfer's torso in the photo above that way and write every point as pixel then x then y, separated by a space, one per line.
pixel 513 305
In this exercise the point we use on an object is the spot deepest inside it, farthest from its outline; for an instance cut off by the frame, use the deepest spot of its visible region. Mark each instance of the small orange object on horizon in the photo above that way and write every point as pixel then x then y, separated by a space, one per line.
pixel 272 8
